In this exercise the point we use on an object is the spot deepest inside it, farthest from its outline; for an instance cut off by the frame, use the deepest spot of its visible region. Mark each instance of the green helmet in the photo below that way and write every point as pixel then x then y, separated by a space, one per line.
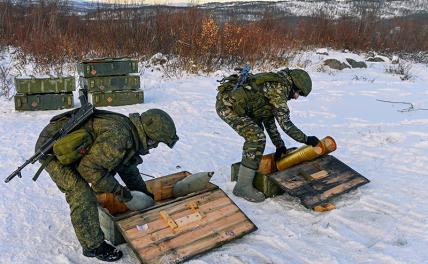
pixel 302 81
pixel 159 127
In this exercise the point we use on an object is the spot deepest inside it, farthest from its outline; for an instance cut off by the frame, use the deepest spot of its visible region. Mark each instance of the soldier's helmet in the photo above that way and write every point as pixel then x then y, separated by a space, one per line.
pixel 159 127
pixel 302 81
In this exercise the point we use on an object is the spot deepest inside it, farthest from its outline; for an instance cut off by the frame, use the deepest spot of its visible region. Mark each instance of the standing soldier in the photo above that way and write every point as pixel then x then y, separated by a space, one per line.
pixel 253 106
pixel 84 163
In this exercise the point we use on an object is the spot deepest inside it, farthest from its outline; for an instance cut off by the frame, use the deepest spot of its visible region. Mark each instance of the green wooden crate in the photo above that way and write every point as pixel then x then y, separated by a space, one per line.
pixel 261 181
pixel 107 67
pixel 44 85
pixel 116 98
pixel 111 83
pixel 33 102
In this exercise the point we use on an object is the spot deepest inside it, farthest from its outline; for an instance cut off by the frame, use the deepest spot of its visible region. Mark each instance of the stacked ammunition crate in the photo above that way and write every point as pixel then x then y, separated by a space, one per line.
pixel 109 81
pixel 44 93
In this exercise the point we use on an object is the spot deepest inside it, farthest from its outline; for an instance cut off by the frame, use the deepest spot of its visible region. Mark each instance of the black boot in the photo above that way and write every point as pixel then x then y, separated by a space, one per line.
pixel 104 252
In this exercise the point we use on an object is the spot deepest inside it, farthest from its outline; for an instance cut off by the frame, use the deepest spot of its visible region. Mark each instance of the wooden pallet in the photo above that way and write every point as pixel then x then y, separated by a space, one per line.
pixel 317 182
pixel 179 230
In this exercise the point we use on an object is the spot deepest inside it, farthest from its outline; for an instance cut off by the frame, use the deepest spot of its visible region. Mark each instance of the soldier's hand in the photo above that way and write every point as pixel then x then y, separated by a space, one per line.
pixel 312 140
pixel 279 152
pixel 123 195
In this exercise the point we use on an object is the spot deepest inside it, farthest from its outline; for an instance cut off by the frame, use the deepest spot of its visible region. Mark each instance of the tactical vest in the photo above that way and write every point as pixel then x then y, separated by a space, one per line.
pixel 124 120
pixel 249 99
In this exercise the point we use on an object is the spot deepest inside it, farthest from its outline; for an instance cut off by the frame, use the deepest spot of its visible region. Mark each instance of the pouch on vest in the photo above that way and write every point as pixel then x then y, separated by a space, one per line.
pixel 72 147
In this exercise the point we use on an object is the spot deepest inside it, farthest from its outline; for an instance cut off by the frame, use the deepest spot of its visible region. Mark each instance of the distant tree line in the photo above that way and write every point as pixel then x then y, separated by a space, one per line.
pixel 51 32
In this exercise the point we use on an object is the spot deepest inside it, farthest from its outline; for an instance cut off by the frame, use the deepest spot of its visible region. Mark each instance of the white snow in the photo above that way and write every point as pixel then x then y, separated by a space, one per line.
pixel 385 221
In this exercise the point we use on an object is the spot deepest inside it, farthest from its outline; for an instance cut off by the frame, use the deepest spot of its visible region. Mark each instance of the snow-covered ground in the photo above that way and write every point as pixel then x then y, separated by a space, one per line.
pixel 385 221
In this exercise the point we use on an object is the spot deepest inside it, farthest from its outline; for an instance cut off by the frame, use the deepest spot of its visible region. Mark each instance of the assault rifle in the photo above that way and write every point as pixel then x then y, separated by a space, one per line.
pixel 80 116
pixel 243 75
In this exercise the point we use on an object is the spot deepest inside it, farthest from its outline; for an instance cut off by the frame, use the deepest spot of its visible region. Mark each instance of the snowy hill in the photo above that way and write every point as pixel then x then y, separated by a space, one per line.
pixel 385 221
pixel 250 10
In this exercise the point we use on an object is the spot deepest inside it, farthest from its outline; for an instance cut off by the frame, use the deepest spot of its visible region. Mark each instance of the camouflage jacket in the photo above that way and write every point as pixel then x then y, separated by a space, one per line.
pixel 263 98
pixel 116 147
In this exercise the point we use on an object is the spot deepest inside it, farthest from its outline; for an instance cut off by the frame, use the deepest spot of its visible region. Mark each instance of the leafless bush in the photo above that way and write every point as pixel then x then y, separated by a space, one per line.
pixel 48 32
pixel 362 78
pixel 6 80
pixel 403 69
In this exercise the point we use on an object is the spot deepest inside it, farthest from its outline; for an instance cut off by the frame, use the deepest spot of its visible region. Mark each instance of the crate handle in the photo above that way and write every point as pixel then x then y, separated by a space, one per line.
pixel 168 219
pixel 194 205
pixel 185 220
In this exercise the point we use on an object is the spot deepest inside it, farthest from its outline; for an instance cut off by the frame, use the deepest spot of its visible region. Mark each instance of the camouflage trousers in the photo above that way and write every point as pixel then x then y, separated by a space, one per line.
pixel 82 199
pixel 250 130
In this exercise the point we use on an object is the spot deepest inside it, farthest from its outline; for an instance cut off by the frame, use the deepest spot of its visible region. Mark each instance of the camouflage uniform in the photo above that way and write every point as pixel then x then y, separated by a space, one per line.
pixel 116 148
pixel 251 108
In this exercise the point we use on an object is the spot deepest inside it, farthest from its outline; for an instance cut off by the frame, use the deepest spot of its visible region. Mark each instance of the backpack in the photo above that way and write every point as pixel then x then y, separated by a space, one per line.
pixel 254 80
pixel 249 98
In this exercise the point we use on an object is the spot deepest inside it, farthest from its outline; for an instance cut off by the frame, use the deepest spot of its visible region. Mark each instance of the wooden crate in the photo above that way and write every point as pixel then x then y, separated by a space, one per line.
pixel 110 210
pixel 262 182
pixel 111 83
pixel 176 229
pixel 44 85
pixel 317 182
pixel 35 102
pixel 107 67
pixel 116 98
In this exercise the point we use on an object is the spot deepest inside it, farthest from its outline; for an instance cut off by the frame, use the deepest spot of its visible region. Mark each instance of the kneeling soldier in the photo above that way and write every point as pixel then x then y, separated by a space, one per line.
pixel 252 107
pixel 106 144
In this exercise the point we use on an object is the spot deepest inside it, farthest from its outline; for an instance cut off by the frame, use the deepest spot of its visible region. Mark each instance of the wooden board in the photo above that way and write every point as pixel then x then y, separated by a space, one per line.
pixel 316 182
pixel 162 187
pixel 178 231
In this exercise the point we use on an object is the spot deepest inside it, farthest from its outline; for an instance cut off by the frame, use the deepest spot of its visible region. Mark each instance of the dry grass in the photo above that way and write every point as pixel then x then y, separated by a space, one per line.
pixel 50 34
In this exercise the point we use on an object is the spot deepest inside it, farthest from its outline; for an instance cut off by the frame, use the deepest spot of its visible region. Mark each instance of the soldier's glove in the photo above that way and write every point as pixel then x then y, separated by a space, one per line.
pixel 312 140
pixel 139 201
pixel 122 194
pixel 279 152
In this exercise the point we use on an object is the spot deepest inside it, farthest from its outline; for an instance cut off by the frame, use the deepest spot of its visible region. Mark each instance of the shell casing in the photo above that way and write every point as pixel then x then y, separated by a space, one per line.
pixel 306 153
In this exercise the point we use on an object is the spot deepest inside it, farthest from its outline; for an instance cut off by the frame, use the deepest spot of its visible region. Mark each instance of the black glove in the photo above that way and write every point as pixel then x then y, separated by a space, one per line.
pixel 312 140
pixel 279 151
pixel 122 194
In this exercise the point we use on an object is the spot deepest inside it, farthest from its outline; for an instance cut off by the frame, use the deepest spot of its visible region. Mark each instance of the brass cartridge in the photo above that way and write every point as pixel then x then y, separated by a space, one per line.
pixel 307 153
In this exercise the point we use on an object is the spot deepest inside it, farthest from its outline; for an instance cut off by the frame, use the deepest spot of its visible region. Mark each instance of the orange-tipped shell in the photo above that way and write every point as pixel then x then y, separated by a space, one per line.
pixel 330 144
pixel 300 155
pixel 109 202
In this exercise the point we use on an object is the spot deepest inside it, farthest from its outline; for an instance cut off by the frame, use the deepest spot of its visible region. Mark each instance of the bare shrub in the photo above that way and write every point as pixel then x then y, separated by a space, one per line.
pixel 49 33
pixel 402 69
pixel 6 80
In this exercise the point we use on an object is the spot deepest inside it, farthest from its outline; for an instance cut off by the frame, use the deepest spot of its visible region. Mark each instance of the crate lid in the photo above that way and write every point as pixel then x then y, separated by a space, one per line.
pixel 105 59
pixel 318 181
pixel 183 228
pixel 31 77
